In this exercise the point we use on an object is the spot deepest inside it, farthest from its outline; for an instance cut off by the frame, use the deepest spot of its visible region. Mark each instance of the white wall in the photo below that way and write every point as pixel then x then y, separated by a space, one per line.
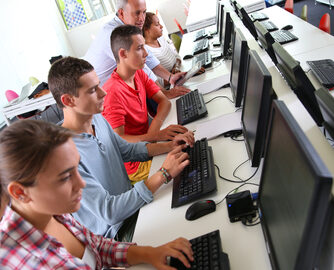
pixel 31 32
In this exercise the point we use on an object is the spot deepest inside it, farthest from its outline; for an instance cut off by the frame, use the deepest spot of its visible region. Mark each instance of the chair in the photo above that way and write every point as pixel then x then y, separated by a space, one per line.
pixel 303 14
pixel 179 26
pixel 289 6
pixel 10 95
pixel 176 41
pixel 325 23
pixel 33 80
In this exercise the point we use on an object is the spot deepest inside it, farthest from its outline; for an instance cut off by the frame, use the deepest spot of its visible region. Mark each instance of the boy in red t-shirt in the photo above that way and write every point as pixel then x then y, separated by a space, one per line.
pixel 127 89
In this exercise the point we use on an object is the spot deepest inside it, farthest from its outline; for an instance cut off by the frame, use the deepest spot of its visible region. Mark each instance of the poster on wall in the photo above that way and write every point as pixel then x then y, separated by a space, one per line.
pixel 73 12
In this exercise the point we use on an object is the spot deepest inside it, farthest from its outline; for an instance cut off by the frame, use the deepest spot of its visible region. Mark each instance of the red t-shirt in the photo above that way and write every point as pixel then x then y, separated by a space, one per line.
pixel 125 106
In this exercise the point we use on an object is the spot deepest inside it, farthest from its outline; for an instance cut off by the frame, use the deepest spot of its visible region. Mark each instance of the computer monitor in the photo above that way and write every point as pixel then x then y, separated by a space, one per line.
pixel 298 81
pixel 228 30
pixel 239 67
pixel 238 8
pixel 266 40
pixel 257 101
pixel 220 29
pixel 326 104
pixel 218 15
pixel 247 21
pixel 294 194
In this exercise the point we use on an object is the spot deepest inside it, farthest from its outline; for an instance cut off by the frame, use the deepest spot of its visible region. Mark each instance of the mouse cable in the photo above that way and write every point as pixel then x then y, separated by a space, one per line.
pixel 226 179
pixel 238 109
pixel 236 135
pixel 250 222
pixel 235 189
pixel 244 180
pixel 219 97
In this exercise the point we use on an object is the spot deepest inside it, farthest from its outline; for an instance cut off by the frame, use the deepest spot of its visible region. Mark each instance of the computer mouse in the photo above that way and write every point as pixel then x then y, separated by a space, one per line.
pixel 287 27
pixel 200 208
pixel 187 56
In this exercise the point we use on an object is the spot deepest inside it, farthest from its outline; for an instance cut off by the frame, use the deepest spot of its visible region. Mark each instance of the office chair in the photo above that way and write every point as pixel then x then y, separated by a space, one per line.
pixel 179 26
pixel 303 14
pixel 33 80
pixel 325 23
pixel 289 6
pixel 176 41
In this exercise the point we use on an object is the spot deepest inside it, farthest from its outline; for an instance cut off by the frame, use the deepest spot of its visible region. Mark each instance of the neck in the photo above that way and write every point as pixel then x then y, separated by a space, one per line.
pixel 126 74
pixel 153 42
pixel 38 220
pixel 77 122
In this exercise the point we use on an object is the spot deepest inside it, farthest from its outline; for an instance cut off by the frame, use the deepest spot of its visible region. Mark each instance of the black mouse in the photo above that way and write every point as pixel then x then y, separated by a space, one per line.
pixel 200 208
pixel 187 56
pixel 287 27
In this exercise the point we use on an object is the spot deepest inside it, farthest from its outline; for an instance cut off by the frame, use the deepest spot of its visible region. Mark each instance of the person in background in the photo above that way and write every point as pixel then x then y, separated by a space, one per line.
pixel 125 104
pixel 101 57
pixel 39 171
pixel 162 49
pixel 109 202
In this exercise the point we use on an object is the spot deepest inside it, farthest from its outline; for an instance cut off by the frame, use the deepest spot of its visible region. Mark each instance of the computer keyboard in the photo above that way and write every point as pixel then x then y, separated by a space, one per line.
pixel 208 254
pixel 258 16
pixel 190 107
pixel 201 46
pixel 324 71
pixel 198 179
pixel 283 36
pixel 205 59
pixel 200 34
pixel 270 26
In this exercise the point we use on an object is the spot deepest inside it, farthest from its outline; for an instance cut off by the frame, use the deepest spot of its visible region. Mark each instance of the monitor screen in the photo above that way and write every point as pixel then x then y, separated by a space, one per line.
pixel 239 67
pixel 221 23
pixel 228 30
pixel 326 103
pixel 247 21
pixel 266 40
pixel 298 81
pixel 256 108
pixel 217 14
pixel 294 194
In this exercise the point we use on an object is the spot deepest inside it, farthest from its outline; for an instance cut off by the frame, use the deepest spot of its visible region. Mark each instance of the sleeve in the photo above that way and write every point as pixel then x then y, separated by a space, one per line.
pixel 151 60
pixel 113 209
pixel 150 73
pixel 150 86
pixel 114 110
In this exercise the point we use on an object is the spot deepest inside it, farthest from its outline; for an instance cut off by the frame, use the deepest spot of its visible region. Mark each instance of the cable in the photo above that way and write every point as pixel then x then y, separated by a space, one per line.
pixel 238 109
pixel 251 222
pixel 219 97
pixel 228 180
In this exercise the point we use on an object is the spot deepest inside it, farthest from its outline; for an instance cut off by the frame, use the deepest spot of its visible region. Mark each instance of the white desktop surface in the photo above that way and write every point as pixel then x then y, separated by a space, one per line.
pixel 201 14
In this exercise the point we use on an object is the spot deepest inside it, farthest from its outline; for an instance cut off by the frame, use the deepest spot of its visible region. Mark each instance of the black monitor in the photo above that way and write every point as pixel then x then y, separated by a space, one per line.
pixel 227 34
pixel 247 21
pixel 221 19
pixel 326 104
pixel 256 107
pixel 294 194
pixel 217 14
pixel 238 8
pixel 266 40
pixel 239 67
pixel 298 81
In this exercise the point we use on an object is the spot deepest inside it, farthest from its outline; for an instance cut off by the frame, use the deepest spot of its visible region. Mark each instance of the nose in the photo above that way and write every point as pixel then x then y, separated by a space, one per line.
pixel 145 52
pixel 101 92
pixel 142 17
pixel 78 182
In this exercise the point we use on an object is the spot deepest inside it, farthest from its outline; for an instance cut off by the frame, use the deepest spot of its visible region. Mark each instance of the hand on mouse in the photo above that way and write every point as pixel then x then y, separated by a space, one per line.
pixel 170 132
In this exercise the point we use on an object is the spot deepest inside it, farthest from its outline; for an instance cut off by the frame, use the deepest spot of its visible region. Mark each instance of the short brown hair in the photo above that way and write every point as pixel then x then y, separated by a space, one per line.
pixel 121 37
pixel 24 148
pixel 148 22
pixel 64 77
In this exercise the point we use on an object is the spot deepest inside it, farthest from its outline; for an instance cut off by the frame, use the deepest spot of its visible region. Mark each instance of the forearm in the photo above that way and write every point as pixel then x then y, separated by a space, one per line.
pixel 162 112
pixel 162 72
pixel 147 137
pixel 155 181
pixel 139 254
pixel 155 149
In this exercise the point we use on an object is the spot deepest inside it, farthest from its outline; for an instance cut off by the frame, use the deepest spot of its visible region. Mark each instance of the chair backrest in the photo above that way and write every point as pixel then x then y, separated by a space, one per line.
pixel 179 26
pixel 176 41
pixel 303 14
pixel 325 23
pixel 289 6
pixel 33 80
pixel 10 95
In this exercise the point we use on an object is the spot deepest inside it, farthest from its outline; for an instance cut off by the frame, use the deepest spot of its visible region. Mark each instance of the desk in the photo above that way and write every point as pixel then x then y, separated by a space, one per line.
pixel 245 245
pixel 27 105
pixel 200 16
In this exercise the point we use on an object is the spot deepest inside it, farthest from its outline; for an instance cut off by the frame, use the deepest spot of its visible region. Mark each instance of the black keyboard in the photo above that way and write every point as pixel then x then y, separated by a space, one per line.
pixel 201 46
pixel 207 254
pixel 200 34
pixel 258 16
pixel 205 59
pixel 190 107
pixel 198 179
pixel 270 26
pixel 283 36
pixel 324 71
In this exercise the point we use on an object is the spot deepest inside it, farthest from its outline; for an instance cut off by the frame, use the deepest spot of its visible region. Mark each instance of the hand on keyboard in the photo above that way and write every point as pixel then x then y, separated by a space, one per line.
pixel 176 161
pixel 176 92
pixel 179 248
pixel 186 138
pixel 170 132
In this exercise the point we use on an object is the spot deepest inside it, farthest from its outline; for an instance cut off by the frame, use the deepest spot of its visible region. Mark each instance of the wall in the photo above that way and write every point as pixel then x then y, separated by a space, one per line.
pixel 31 32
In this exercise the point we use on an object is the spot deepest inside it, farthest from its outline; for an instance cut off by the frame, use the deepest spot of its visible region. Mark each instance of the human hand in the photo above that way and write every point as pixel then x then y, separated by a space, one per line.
pixel 201 71
pixel 176 76
pixel 186 138
pixel 176 161
pixel 177 91
pixel 179 249
pixel 170 132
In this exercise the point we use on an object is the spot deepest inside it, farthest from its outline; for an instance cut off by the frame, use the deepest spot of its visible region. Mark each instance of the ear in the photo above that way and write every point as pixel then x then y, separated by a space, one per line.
pixel 18 192
pixel 122 53
pixel 120 13
pixel 67 100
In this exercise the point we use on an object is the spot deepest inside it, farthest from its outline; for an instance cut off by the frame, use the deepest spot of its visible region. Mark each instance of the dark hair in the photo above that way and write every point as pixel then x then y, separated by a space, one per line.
pixel 148 22
pixel 64 77
pixel 121 37
pixel 24 147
